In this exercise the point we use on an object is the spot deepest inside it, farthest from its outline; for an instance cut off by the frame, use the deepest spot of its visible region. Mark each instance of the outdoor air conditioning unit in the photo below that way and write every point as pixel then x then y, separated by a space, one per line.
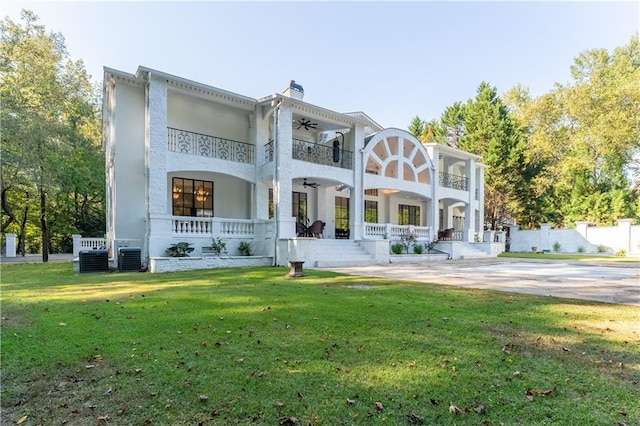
pixel 94 261
pixel 129 259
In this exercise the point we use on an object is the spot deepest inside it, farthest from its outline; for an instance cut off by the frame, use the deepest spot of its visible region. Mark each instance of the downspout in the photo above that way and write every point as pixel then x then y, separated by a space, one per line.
pixel 276 195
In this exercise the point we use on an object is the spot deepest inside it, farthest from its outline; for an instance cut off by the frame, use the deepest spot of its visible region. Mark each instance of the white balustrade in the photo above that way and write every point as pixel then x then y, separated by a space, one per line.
pixel 377 231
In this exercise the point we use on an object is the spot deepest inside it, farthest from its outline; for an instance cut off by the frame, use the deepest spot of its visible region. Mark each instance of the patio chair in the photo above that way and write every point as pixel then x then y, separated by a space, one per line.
pixel 301 230
pixel 316 229
pixel 445 234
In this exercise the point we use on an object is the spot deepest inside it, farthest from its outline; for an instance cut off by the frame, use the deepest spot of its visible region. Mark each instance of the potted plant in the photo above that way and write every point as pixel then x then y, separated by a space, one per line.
pixel 181 249
pixel 245 248
pixel 218 246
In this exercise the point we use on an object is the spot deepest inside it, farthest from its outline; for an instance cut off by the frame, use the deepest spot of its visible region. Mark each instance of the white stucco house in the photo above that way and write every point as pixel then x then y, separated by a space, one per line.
pixel 186 161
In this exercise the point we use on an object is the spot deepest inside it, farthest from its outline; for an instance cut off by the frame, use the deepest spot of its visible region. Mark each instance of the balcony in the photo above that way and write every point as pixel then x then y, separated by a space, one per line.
pixel 454 181
pixel 314 153
pixel 192 143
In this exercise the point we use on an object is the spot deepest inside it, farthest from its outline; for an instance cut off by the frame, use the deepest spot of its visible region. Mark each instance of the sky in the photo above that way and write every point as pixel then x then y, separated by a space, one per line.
pixel 392 60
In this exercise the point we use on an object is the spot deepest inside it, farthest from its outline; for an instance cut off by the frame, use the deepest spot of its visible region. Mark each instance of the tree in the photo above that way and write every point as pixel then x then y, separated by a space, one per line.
pixel 48 114
pixel 488 131
pixel 583 138
pixel 452 125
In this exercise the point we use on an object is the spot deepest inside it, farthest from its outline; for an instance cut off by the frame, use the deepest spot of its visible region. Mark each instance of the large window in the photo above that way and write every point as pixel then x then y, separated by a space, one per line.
pixel 299 207
pixel 342 217
pixel 192 197
pixel 370 211
pixel 408 215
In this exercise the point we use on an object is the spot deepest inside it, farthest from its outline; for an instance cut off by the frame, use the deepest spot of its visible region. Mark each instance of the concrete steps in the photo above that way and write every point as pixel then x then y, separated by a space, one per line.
pixel 335 253
pixel 468 251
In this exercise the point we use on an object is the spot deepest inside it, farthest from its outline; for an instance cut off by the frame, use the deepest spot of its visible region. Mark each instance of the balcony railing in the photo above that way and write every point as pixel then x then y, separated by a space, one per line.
pixel 187 226
pixel 379 231
pixel 322 154
pixel 454 181
pixel 209 146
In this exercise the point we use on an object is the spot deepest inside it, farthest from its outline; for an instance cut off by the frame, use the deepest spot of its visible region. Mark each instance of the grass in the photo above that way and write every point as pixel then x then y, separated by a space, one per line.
pixel 250 346
pixel 571 256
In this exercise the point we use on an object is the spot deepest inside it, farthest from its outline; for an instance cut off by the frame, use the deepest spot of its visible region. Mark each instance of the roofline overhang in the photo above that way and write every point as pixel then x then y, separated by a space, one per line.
pixel 454 152
pixel 316 111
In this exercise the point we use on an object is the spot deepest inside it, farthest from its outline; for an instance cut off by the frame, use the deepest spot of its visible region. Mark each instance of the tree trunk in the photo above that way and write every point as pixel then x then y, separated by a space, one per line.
pixel 8 213
pixel 43 225
pixel 23 228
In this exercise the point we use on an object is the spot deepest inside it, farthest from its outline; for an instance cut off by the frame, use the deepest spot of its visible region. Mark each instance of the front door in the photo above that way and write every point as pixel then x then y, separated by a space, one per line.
pixel 342 218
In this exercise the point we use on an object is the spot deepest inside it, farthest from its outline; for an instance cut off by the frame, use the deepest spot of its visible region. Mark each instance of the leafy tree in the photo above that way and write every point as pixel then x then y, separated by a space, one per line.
pixel 50 126
pixel 582 138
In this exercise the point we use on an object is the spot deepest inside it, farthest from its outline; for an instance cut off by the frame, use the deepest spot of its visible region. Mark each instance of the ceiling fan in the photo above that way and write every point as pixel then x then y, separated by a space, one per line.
pixel 307 124
pixel 306 184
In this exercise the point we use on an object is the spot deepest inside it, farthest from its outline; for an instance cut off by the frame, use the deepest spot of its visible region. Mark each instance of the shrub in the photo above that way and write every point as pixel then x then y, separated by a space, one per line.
pixel 580 249
pixel 397 248
pixel 181 249
pixel 602 248
pixel 556 246
pixel 218 246
pixel 418 248
pixel 621 253
pixel 407 239
pixel 245 248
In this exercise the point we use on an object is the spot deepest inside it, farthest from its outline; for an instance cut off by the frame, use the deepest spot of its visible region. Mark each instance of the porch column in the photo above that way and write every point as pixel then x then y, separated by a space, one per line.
pixel 260 135
pixel 480 184
pixel 356 204
pixel 282 185
pixel 434 207
pixel 470 211
pixel 158 234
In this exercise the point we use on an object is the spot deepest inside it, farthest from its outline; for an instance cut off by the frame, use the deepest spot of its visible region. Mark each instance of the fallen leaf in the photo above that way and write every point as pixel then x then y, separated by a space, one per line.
pixel 351 401
pixel 414 419
pixel 379 406
pixel 203 397
pixel 454 410
pixel 279 404
pixel 22 420
pixel 104 418
pixel 288 421
pixel 479 409
pixel 62 324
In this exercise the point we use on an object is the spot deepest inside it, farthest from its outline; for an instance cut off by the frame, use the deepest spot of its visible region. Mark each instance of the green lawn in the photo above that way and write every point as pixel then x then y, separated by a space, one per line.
pixel 250 346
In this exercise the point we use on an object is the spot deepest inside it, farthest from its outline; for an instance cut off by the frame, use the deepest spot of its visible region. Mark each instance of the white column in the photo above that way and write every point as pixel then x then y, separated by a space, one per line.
pixel 470 210
pixel 283 142
pixel 260 136
pixel 356 204
pixel 158 229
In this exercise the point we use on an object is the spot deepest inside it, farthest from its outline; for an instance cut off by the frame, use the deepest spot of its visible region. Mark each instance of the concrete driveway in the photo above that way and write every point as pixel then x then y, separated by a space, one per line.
pixel 607 282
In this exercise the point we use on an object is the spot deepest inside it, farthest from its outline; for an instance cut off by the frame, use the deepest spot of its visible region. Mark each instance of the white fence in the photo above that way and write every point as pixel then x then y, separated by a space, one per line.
pixel 583 238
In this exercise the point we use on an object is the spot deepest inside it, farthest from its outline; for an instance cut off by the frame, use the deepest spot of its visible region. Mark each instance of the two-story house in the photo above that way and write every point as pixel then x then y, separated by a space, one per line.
pixel 186 161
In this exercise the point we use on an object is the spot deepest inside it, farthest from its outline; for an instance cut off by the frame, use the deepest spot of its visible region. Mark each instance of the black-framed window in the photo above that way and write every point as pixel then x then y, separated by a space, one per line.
pixel 371 192
pixel 299 207
pixel 271 208
pixel 370 211
pixel 408 215
pixel 342 217
pixel 192 197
